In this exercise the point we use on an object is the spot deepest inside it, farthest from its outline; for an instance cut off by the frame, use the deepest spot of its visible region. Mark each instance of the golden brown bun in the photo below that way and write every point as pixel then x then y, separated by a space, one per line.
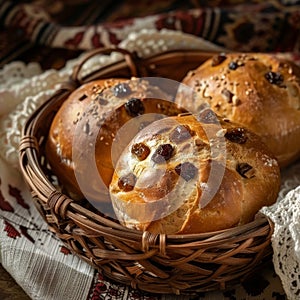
pixel 86 126
pixel 188 174
pixel 258 91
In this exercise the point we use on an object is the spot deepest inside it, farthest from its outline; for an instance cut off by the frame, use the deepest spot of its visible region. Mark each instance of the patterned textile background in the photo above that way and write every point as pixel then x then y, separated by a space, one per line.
pixel 51 32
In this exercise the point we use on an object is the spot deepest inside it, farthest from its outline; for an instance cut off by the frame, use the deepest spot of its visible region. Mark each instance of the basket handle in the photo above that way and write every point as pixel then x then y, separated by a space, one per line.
pixel 131 59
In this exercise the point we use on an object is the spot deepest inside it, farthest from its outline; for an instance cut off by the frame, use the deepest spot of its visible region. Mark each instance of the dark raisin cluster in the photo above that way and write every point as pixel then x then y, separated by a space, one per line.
pixel 274 78
pixel 126 183
pixel 233 65
pixel 236 135
pixel 134 107
pixel 140 150
pixel 163 153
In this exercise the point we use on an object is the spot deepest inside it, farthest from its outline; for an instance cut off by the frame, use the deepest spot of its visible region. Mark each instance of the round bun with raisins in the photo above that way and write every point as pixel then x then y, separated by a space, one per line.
pixel 86 125
pixel 191 174
pixel 258 91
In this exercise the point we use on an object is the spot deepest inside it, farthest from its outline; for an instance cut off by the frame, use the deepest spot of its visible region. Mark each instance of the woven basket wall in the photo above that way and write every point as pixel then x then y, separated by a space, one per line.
pixel 158 263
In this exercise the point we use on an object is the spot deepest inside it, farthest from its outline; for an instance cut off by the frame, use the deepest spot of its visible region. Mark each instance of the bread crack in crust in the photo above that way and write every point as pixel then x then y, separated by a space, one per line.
pixel 207 175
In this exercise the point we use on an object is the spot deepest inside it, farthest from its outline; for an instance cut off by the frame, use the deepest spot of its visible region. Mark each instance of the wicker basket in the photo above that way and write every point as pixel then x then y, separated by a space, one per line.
pixel 157 263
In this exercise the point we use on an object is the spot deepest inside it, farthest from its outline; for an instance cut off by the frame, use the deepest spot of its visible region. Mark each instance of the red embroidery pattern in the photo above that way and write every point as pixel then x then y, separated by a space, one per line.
pixel 11 230
pixel 73 42
pixel 104 289
pixel 96 40
pixel 14 228
pixel 65 250
pixel 100 288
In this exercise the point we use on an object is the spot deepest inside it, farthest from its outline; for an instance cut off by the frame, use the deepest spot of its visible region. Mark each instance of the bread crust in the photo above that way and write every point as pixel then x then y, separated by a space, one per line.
pixel 259 91
pixel 86 126
pixel 215 175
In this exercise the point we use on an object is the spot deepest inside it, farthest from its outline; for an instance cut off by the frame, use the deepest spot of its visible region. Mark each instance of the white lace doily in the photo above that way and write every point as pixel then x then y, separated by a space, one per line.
pixel 286 238
pixel 23 88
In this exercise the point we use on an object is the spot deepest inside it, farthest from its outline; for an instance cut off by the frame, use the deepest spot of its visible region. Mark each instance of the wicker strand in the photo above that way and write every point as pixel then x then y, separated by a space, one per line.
pixel 28 141
pixel 162 244
pixel 69 85
pixel 145 241
pixel 149 240
pixel 133 284
pixel 59 203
